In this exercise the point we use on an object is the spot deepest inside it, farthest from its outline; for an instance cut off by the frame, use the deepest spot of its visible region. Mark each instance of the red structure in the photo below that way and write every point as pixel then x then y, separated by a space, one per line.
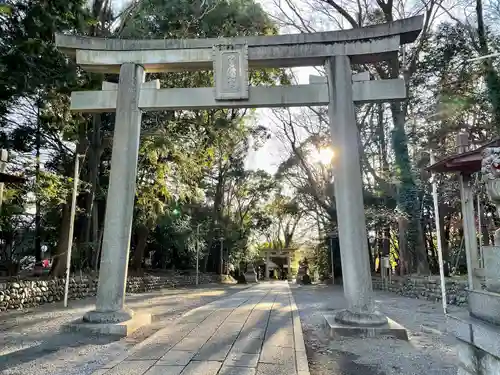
pixel 465 162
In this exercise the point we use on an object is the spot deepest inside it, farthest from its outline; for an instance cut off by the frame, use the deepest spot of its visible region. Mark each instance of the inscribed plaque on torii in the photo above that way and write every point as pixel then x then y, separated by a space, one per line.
pixel 230 72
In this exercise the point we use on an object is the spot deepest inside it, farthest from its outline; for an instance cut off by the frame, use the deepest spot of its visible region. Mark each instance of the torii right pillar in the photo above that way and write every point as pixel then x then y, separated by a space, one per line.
pixel 360 316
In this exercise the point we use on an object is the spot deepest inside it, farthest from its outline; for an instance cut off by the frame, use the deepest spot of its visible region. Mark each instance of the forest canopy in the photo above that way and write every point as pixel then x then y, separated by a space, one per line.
pixel 195 189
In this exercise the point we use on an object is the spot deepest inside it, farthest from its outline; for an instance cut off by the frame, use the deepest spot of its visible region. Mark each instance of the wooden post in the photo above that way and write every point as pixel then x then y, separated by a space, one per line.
pixel 467 202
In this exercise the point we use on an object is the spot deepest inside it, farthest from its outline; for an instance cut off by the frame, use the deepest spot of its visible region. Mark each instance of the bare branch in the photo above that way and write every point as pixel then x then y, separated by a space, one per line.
pixel 343 13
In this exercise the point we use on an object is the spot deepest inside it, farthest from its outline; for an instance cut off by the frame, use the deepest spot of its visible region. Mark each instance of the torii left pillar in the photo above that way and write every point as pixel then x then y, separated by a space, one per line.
pixel 111 313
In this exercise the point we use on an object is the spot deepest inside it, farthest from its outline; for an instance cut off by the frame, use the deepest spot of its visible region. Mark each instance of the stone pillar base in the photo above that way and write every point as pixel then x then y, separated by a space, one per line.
pixel 390 328
pixel 100 317
pixel 351 318
pixel 120 329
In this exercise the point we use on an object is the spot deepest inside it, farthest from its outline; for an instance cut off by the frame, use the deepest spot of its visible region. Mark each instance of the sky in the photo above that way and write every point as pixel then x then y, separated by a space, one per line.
pixel 271 154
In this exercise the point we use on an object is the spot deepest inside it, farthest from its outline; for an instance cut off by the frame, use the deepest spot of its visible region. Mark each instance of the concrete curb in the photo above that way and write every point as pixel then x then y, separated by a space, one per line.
pixel 300 347
pixel 429 329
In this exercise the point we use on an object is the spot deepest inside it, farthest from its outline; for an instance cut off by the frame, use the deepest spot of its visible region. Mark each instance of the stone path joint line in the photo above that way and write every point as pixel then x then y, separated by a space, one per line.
pixel 254 332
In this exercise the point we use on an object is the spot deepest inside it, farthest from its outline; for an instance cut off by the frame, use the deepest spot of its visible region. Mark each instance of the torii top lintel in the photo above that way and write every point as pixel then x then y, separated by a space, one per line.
pixel 363 45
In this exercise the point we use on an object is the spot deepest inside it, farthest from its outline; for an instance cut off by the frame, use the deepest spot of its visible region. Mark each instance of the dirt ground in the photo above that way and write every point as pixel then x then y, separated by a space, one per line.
pixel 425 353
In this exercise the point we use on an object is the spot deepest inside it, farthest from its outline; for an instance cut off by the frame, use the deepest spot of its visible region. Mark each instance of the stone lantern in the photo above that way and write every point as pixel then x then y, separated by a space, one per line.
pixel 478 329
pixel 250 274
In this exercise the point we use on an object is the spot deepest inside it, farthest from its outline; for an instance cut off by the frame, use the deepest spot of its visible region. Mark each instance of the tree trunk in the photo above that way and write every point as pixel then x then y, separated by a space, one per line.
pixel 445 233
pixel 431 248
pixel 216 216
pixel 403 250
pixel 59 263
pixel 370 254
pixel 378 240
pixel 97 260
pixel 386 241
pixel 210 242
pixel 95 235
pixel 59 258
pixel 421 255
pixel 490 75
pixel 408 201
pixel 142 238
pixel 91 211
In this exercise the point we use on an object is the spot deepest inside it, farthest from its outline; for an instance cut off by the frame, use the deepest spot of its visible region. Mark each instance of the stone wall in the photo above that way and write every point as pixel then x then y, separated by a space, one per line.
pixel 425 288
pixel 28 293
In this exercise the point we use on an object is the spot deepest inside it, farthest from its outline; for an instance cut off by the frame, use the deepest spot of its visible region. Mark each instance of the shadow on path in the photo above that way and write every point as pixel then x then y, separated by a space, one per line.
pixel 49 346
pixel 337 362
pixel 31 342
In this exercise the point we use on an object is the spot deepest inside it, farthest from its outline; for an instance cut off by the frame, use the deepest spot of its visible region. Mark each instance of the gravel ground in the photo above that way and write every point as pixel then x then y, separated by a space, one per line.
pixel 31 342
pixel 429 352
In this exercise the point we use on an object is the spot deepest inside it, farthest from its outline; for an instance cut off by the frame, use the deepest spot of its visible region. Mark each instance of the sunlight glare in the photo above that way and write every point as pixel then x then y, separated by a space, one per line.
pixel 323 156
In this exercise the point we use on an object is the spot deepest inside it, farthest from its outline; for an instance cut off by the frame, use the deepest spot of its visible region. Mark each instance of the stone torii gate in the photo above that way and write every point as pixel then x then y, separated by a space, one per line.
pixel 230 59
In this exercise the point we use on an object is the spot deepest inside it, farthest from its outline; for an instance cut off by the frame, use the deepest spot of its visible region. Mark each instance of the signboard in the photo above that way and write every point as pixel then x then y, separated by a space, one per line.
pixel 230 63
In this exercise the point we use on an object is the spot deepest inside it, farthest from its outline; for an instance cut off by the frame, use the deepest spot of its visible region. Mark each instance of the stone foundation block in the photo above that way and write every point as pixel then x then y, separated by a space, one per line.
pixel 477 345
pixel 122 329
pixel 391 329
pixel 475 361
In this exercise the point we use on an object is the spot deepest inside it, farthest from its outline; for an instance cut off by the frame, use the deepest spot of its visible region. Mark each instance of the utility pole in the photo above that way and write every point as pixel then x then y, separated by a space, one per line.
pixel 71 226
pixel 197 253
pixel 331 252
pixel 38 245
pixel 438 235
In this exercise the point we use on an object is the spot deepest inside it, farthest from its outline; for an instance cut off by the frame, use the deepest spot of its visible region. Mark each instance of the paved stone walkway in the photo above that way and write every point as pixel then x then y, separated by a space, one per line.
pixel 33 341
pixel 254 332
